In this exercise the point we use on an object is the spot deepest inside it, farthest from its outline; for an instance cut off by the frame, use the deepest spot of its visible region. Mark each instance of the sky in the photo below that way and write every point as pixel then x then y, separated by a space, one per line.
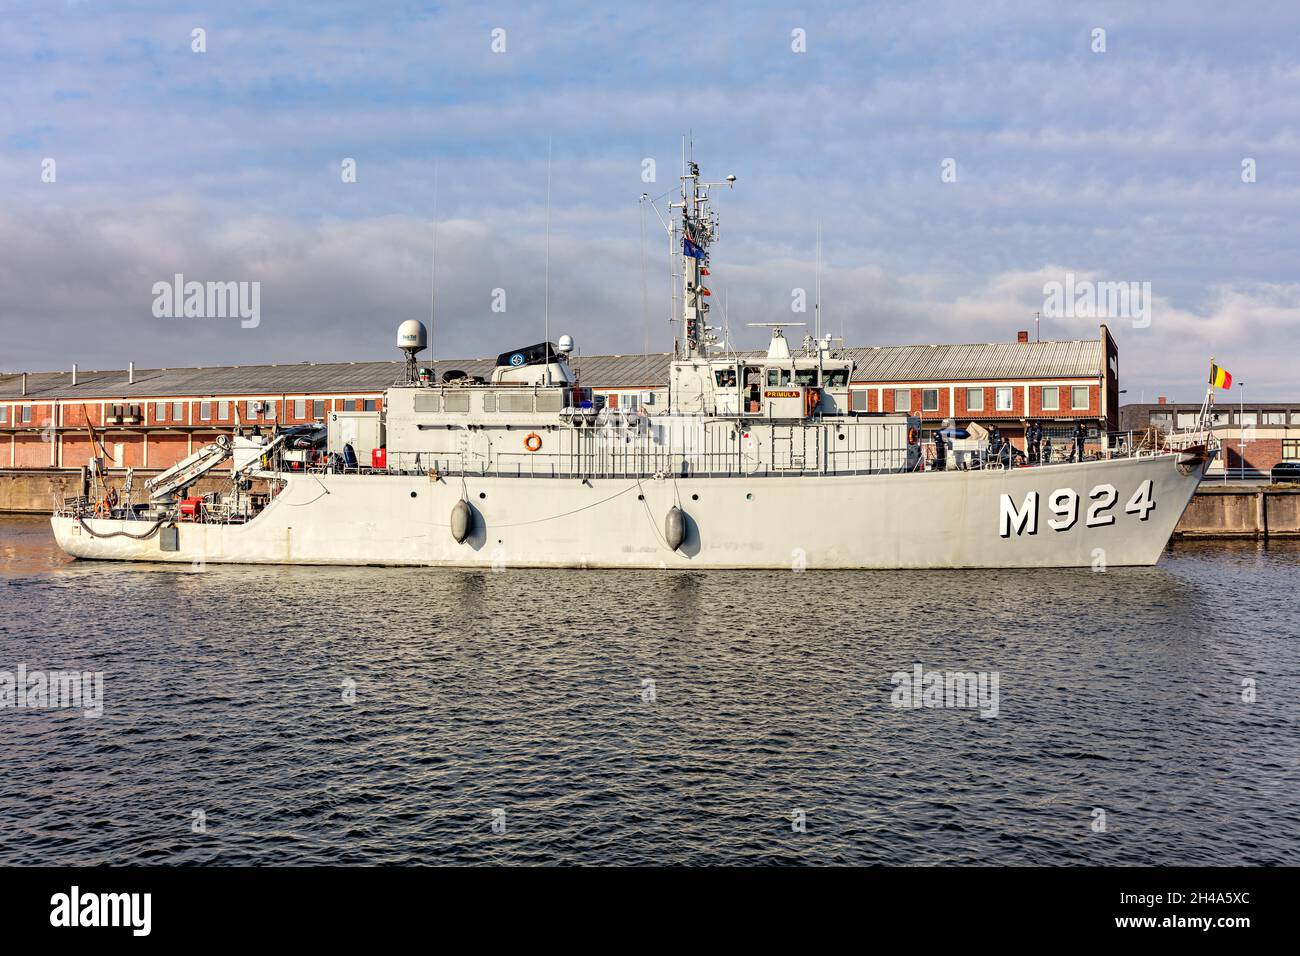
pixel 959 157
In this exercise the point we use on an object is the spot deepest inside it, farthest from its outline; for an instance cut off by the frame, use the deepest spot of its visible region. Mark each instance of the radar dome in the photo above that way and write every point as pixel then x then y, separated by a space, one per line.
pixel 565 344
pixel 412 336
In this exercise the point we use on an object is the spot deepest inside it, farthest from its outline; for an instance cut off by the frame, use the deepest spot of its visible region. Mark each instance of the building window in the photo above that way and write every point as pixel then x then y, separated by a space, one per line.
pixel 1275 418
pixel 4 414
pixel 858 400
pixel 300 408
pixel 902 399
pixel 27 414
pixel 929 399
pixel 1188 420
pixel 318 409
pixel 1002 399
pixel 1295 418
pixel 369 405
pixel 205 411
pixel 1051 398
pixel 1248 418
pixel 1162 421
pixel 974 399
pixel 223 410
pixel 251 408
pixel 1079 398
pixel 1291 449
pixel 630 402
pixel 160 412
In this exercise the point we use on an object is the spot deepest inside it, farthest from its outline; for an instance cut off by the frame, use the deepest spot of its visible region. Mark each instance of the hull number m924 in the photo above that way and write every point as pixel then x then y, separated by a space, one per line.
pixel 1067 508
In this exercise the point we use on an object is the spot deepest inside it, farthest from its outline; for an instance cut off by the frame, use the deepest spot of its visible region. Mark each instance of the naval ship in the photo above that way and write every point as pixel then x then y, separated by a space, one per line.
pixel 755 462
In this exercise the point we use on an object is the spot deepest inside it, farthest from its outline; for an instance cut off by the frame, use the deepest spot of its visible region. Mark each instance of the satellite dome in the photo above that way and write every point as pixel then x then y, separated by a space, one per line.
pixel 565 344
pixel 412 336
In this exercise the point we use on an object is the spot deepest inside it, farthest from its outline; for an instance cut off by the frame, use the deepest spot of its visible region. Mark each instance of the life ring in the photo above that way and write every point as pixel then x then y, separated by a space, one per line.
pixel 913 436
pixel 533 442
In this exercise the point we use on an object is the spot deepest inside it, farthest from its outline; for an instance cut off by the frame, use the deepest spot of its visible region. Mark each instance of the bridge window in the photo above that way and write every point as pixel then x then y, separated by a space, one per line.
pixel 725 377
pixel 835 377
pixel 805 376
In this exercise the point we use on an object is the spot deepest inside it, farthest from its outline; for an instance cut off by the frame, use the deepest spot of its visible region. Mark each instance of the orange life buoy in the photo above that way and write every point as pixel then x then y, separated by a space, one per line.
pixel 913 436
pixel 533 442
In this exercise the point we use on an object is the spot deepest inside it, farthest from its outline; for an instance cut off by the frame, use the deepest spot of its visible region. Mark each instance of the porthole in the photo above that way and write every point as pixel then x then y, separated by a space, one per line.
pixel 749 497
pixel 482 494
pixel 695 497
pixel 412 494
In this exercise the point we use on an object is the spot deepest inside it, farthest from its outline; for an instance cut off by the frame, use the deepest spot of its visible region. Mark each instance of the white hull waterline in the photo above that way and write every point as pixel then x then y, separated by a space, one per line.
pixel 1015 518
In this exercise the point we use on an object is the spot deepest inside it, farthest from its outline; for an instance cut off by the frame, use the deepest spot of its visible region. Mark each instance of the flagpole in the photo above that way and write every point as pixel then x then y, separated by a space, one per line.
pixel 546 288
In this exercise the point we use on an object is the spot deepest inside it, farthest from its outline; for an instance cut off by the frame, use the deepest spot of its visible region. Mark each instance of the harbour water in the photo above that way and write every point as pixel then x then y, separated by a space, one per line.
pixel 403 716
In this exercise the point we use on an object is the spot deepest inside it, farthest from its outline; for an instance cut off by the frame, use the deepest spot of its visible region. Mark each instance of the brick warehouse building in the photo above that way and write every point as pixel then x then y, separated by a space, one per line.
pixel 1254 438
pixel 152 418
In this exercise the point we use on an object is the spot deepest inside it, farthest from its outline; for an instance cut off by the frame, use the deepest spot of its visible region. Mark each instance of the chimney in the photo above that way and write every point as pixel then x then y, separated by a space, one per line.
pixel 24 383
pixel 1161 400
pixel 130 373
pixel 1022 336
pixel 74 373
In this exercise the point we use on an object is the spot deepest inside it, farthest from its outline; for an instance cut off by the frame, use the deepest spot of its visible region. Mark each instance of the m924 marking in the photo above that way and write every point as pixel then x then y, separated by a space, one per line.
pixel 1067 508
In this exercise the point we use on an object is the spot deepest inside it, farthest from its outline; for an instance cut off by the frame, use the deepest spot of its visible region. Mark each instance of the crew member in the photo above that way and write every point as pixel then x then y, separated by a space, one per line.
pixel 940 451
pixel 1079 436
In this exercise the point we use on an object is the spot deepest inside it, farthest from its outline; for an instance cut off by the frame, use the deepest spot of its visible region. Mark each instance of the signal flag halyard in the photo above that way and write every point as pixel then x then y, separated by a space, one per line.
pixel 1220 377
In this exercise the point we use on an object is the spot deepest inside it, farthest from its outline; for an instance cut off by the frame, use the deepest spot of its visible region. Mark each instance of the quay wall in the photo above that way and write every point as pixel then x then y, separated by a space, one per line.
pixel 1216 511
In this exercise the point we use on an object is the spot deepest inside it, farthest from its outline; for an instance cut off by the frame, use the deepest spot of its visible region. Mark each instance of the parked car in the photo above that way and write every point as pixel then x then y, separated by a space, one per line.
pixel 1286 471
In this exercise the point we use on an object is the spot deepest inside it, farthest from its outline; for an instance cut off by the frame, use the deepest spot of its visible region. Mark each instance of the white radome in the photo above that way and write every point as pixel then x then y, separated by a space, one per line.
pixel 412 335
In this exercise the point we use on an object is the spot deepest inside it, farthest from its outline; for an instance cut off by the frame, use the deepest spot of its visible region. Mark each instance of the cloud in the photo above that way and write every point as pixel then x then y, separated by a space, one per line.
pixel 1124 165
pixel 77 284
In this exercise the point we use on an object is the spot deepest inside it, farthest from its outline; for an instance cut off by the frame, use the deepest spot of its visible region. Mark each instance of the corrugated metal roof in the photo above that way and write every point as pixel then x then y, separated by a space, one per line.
pixel 997 360
pixel 891 363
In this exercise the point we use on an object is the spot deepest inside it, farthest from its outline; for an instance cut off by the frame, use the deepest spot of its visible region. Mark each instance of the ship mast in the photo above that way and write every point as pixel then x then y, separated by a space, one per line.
pixel 699 227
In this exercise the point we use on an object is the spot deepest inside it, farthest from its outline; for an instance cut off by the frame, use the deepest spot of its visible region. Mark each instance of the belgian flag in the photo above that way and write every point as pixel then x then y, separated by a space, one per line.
pixel 1220 377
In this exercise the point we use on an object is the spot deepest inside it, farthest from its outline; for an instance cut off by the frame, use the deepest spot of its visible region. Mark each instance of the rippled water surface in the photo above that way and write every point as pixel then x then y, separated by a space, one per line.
pixel 525 692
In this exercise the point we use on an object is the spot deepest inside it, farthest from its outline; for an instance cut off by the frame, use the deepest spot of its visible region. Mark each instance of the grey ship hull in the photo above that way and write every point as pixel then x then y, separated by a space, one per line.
pixel 1018 518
